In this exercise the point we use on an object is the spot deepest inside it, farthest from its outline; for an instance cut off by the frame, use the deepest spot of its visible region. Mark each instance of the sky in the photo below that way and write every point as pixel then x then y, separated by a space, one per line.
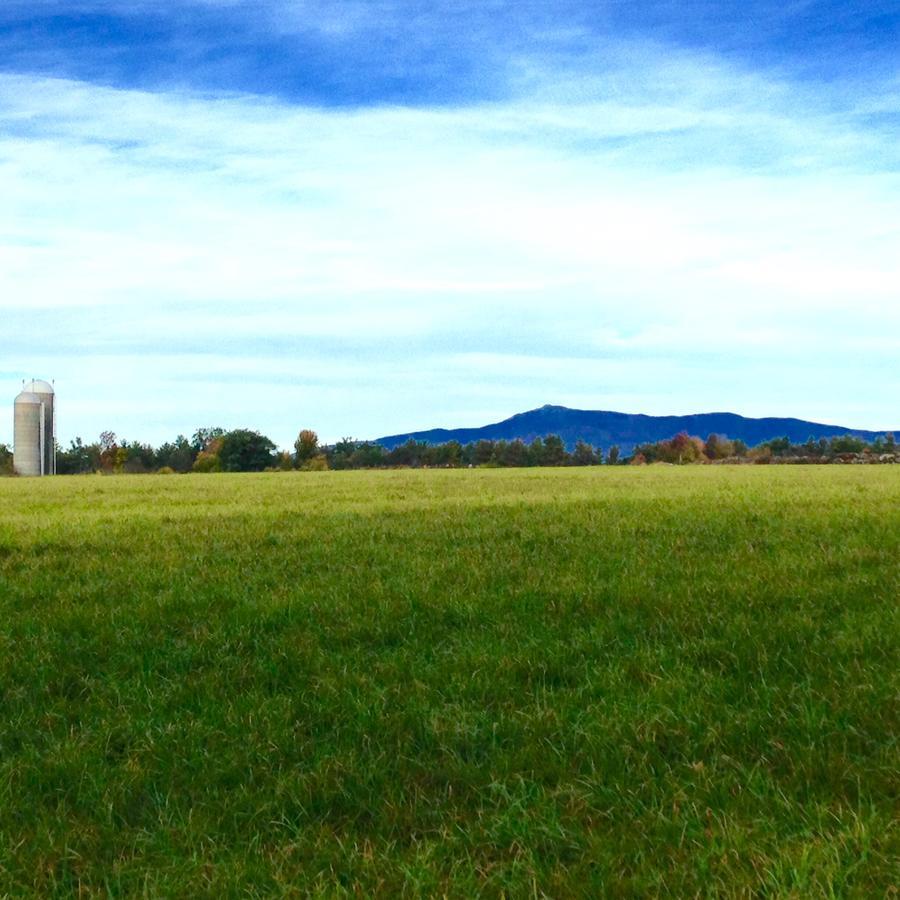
pixel 375 217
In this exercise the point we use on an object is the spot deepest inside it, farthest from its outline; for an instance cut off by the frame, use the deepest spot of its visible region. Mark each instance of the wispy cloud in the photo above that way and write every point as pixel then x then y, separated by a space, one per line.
pixel 655 227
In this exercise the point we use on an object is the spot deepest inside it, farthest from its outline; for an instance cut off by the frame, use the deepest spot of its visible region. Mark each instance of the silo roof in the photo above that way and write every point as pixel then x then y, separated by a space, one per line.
pixel 39 387
pixel 28 397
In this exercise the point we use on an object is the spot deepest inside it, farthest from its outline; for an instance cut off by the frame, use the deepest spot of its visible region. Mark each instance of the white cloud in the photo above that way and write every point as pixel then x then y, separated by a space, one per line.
pixel 698 210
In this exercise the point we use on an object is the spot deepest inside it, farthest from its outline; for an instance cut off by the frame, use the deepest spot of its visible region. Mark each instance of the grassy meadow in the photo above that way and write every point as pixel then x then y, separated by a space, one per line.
pixel 539 682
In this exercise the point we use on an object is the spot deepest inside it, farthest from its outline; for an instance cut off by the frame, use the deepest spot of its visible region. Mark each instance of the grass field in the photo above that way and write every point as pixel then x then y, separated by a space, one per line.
pixel 588 682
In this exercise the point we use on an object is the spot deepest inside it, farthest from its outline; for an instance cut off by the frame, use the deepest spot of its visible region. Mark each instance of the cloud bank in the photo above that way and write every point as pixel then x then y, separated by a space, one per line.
pixel 597 215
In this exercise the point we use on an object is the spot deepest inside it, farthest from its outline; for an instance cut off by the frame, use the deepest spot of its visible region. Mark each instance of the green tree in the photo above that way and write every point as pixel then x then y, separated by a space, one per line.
pixel 585 455
pixel 515 454
pixel 6 460
pixel 137 458
pixel 368 456
pixel 648 453
pixel 243 450
pixel 847 443
pixel 612 457
pixel 178 455
pixel 448 455
pixel 483 452
pixel 555 451
pixel 340 455
pixel 536 452
pixel 203 436
pixel 305 447
pixel 79 459
pixel 780 446
pixel 406 454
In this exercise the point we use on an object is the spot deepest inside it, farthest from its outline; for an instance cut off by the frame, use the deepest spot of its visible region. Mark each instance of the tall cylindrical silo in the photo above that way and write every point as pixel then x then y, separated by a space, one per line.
pixel 27 445
pixel 44 392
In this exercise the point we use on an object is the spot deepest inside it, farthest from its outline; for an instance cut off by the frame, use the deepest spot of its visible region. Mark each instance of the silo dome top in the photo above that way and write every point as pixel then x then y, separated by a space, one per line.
pixel 39 387
pixel 27 397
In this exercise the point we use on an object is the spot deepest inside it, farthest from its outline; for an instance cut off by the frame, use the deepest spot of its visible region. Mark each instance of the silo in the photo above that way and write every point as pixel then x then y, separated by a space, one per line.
pixel 44 392
pixel 27 444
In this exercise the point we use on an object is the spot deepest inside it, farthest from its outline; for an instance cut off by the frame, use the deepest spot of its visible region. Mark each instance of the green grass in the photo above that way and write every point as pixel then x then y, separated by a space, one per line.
pixel 590 682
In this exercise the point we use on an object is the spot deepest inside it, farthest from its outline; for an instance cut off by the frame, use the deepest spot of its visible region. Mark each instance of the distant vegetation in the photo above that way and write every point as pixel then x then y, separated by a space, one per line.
pixel 684 449
pixel 242 450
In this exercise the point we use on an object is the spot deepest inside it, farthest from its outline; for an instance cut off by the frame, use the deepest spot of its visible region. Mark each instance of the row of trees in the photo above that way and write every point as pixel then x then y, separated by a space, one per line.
pixel 209 450
pixel 546 451
pixel 684 449
pixel 217 450
pixel 242 450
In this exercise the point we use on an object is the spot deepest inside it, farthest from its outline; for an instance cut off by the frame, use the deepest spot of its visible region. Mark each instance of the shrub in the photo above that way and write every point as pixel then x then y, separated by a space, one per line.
pixel 208 459
pixel 316 464
pixel 6 460
pixel 847 443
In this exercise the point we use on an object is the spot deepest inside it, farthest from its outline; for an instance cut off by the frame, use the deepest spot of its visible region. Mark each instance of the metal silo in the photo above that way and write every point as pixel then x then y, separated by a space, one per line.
pixel 27 445
pixel 44 392
pixel 34 430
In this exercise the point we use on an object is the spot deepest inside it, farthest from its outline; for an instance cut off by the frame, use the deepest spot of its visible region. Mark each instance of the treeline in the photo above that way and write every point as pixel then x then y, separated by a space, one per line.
pixel 242 450
pixel 546 451
pixel 217 450
pixel 683 449
pixel 209 450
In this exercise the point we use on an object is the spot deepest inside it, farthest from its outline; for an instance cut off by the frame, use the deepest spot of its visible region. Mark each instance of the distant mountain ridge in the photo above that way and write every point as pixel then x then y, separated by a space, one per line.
pixel 603 429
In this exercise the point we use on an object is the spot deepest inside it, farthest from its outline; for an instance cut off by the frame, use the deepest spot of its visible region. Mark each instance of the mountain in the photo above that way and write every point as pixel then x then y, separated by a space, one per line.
pixel 603 429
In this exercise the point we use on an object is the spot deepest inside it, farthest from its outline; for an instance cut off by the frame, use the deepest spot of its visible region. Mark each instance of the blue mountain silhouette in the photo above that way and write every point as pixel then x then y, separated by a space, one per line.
pixel 603 429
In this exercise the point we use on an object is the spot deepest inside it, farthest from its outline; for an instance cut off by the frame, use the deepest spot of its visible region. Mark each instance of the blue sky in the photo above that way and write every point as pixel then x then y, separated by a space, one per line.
pixel 375 217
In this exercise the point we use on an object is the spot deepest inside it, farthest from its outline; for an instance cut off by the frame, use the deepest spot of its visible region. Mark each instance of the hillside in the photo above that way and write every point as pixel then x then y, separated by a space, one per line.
pixel 603 429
